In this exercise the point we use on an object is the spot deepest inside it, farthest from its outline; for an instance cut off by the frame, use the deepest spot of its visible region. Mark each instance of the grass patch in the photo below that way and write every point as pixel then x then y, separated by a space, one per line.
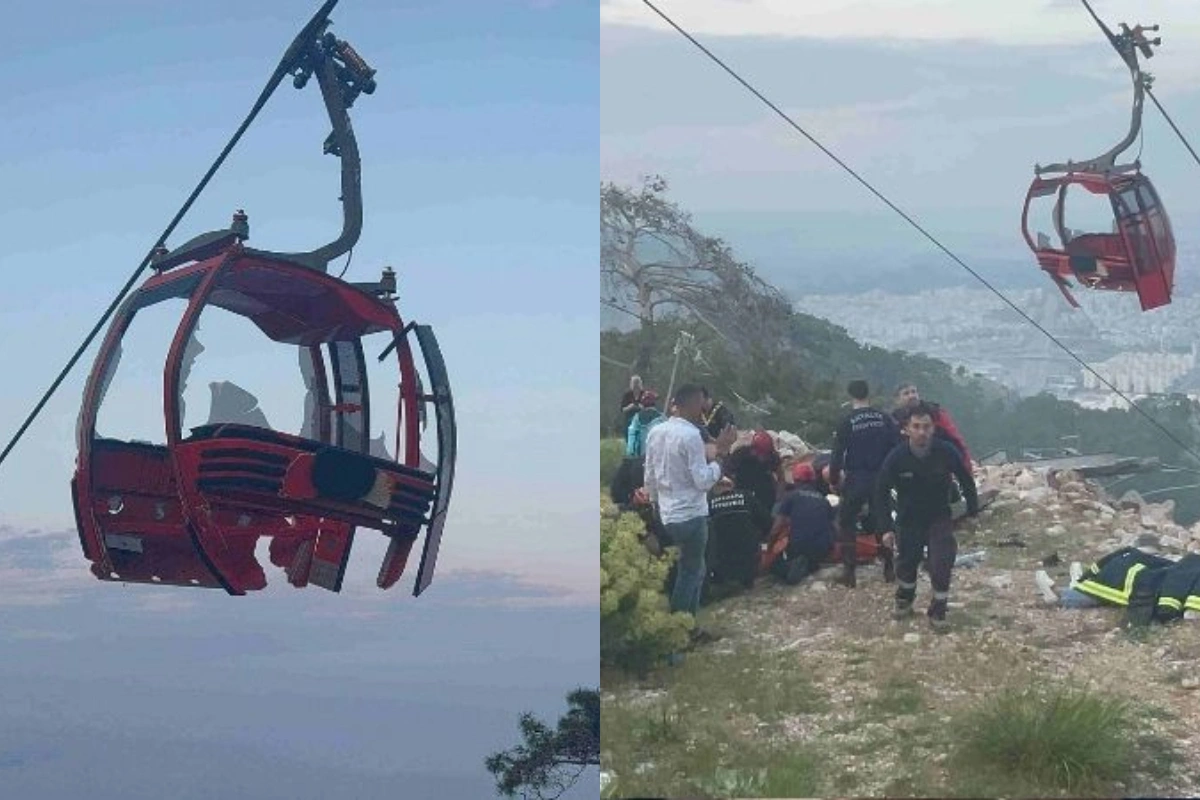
pixel 768 685
pixel 899 695
pixel 667 749
pixel 705 737
pixel 1023 742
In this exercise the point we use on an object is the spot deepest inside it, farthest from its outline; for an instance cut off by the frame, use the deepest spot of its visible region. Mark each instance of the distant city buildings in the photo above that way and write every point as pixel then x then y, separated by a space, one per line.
pixel 1138 352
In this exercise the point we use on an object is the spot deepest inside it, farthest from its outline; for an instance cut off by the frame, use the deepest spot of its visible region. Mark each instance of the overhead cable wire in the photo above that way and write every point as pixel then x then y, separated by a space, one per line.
pixel 1174 127
pixel 281 71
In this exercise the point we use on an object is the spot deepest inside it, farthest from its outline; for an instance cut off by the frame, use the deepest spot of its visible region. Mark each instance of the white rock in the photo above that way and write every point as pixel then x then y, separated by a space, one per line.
pixel 1038 494
pixel 1000 581
pixel 1045 585
pixel 1027 480
pixel 1056 530
pixel 1191 683
pixel 1161 513
pixel 912 638
pixel 818 586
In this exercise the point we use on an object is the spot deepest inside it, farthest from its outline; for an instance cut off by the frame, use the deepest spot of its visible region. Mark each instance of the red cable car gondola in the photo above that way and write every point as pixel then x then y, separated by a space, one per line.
pixel 190 513
pixel 1138 253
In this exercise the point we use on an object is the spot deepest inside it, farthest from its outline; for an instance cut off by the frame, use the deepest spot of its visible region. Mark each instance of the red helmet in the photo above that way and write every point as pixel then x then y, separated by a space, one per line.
pixel 804 473
pixel 762 444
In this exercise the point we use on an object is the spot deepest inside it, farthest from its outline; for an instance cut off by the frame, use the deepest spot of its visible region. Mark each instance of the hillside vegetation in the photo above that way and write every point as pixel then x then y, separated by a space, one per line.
pixel 813 690
pixel 748 342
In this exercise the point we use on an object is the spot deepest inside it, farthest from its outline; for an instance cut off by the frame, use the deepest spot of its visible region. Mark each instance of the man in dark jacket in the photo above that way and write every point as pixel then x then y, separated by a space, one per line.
pixel 863 440
pixel 757 468
pixel 907 397
pixel 920 471
pixel 739 524
pixel 716 417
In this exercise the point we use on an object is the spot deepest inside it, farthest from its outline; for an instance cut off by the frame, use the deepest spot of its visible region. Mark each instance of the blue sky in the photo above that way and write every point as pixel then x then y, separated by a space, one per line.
pixel 944 105
pixel 479 172
pixel 476 150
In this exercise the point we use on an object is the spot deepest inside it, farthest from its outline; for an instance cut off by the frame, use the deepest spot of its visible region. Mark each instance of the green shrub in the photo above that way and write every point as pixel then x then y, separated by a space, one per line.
pixel 1067 739
pixel 637 628
pixel 612 452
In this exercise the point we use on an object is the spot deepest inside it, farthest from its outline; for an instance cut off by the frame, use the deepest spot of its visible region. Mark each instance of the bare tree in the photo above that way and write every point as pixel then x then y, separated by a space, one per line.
pixel 653 258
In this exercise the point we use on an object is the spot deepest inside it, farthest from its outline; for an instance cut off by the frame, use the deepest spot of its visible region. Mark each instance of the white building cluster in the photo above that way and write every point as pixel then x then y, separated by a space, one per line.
pixel 1141 373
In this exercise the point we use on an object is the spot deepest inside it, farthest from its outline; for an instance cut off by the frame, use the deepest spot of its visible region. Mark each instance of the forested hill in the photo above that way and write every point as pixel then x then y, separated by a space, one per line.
pixel 783 370
pixel 803 387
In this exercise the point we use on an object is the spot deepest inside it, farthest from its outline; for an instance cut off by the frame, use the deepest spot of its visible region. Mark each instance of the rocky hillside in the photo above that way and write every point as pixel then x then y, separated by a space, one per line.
pixel 813 690
pixel 1062 503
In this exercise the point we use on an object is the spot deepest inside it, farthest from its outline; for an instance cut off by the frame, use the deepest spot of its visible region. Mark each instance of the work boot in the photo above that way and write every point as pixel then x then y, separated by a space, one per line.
pixel 849 563
pixel 904 602
pixel 937 616
pixel 796 571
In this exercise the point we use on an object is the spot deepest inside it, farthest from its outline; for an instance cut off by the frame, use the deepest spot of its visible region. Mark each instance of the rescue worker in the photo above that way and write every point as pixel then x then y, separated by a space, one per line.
pixel 920 471
pixel 757 469
pixel 716 417
pixel 863 440
pixel 820 464
pixel 907 397
pixel 1149 586
pixel 803 531
pixel 738 522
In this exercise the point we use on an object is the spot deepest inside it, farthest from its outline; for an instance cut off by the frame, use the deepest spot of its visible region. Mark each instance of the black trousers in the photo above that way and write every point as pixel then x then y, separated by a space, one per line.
pixel 912 539
pixel 856 495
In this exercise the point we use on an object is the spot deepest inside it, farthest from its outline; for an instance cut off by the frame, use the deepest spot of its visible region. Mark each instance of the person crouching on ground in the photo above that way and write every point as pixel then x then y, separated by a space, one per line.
pixel 679 474
pixel 804 519
pixel 920 471
pixel 738 523
pixel 757 469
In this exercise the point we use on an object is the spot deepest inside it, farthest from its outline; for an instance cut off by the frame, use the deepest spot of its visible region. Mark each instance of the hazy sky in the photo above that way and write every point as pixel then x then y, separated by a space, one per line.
pixel 476 150
pixel 945 105
pixel 479 173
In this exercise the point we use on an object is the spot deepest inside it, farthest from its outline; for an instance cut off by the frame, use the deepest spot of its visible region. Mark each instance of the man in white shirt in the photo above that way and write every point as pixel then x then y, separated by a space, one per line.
pixel 680 470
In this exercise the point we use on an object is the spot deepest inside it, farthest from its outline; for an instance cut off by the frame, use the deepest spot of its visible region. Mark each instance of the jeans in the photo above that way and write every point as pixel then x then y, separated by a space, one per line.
pixel 691 537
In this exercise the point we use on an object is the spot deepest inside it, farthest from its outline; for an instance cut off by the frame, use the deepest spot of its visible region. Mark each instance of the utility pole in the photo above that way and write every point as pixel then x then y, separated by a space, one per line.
pixel 684 341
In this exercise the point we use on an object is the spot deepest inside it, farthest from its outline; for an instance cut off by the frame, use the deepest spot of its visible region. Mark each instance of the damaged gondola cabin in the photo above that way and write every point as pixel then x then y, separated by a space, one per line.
pixel 190 512
pixel 1136 253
